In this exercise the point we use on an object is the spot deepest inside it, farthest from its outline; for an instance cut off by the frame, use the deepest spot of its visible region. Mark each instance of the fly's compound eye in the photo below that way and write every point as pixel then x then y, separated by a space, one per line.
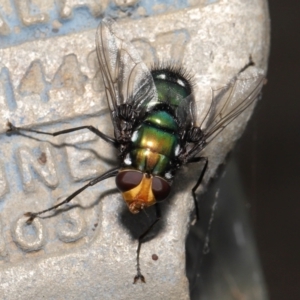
pixel 160 188
pixel 127 180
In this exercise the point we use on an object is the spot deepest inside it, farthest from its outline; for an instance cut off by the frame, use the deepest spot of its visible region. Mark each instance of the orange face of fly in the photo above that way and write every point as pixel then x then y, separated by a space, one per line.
pixel 141 190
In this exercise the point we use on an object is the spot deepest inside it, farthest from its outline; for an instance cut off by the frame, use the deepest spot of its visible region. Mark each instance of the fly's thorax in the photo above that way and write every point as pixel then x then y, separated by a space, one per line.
pixel 140 190
pixel 175 94
pixel 171 84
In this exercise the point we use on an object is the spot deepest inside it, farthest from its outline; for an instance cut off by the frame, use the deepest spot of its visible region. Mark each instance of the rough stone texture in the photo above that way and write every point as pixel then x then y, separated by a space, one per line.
pixel 52 83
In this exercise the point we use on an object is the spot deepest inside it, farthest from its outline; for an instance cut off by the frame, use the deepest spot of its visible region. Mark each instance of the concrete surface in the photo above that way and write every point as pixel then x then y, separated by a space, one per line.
pixel 49 79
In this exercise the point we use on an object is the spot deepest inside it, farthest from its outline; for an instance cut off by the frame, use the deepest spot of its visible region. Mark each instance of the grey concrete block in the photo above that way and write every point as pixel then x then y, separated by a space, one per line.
pixel 49 80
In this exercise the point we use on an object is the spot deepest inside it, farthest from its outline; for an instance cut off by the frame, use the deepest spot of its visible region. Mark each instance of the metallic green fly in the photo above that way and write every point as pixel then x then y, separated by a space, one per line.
pixel 155 128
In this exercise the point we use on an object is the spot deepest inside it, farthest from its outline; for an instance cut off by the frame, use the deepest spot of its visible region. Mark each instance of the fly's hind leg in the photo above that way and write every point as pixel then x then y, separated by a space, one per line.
pixel 139 275
pixel 193 160
pixel 12 128
pixel 206 239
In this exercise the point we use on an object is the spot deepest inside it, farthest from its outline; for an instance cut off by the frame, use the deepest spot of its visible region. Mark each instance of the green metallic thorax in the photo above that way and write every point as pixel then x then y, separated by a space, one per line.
pixel 173 91
pixel 155 141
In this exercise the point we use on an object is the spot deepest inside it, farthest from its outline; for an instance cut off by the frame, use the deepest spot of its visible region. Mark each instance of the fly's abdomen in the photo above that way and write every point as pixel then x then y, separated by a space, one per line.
pixel 154 143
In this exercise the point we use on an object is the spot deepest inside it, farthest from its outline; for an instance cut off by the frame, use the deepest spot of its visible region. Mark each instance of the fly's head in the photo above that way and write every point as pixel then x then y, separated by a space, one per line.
pixel 141 190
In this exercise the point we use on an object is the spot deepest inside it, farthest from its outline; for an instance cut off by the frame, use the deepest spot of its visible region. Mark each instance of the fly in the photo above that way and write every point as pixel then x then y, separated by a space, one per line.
pixel 155 129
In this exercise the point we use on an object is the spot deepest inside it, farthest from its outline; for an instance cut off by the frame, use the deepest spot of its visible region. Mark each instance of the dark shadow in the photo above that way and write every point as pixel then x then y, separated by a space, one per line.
pixel 82 146
pixel 230 259
pixel 137 224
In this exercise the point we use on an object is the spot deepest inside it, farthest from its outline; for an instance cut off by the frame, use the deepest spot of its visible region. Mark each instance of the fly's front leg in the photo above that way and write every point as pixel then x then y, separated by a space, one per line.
pixel 106 138
pixel 139 275
pixel 111 173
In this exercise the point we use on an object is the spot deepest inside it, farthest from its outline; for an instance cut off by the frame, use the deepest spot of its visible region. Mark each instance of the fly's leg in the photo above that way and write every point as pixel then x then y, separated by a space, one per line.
pixel 123 120
pixel 139 275
pixel 193 160
pixel 206 239
pixel 12 128
pixel 104 176
pixel 249 64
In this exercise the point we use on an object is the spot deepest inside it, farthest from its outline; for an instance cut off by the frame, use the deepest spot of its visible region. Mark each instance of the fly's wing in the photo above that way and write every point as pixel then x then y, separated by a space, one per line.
pixel 185 112
pixel 126 78
pixel 228 103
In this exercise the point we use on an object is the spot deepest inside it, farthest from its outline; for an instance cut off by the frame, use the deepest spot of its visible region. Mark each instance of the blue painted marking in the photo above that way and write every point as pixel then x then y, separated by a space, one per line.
pixel 11 169
pixel 149 4
pixel 8 89
pixel 1 208
pixel 80 20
